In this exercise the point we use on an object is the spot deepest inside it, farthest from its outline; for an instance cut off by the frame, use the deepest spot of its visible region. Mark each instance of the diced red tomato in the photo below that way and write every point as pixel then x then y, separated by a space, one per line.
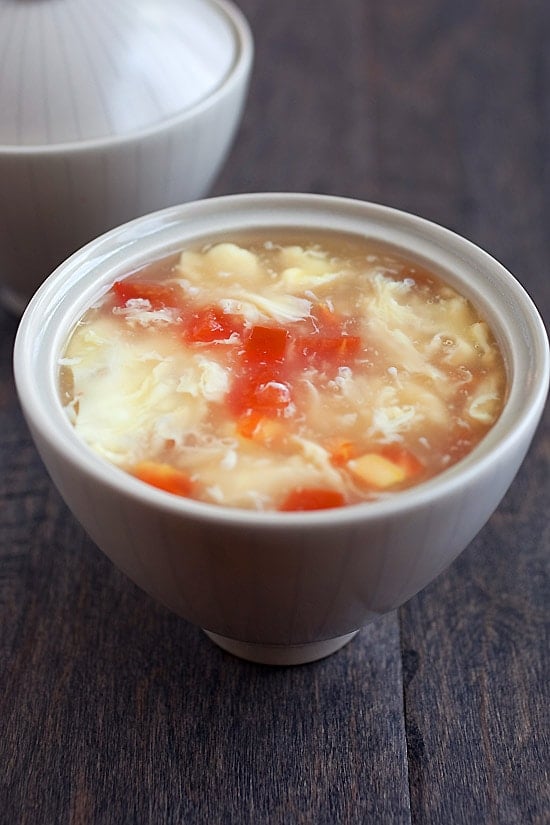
pixel 159 295
pixel 210 324
pixel 266 345
pixel 261 394
pixel 303 498
pixel 164 476
pixel 403 458
pixel 261 387
pixel 272 395
pixel 328 351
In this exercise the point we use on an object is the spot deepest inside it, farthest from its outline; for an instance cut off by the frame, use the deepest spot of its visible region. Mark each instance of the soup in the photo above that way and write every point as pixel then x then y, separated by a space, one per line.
pixel 295 373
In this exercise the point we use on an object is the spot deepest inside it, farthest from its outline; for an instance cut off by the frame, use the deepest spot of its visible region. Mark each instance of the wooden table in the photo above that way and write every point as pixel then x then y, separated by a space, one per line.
pixel 112 710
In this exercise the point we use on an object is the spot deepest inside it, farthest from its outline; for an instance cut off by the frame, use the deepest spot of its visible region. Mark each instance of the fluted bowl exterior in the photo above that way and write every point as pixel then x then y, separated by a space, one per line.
pixel 64 194
pixel 281 578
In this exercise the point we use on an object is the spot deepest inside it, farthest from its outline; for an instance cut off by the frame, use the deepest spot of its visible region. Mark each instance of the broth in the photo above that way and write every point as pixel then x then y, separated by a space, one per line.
pixel 300 372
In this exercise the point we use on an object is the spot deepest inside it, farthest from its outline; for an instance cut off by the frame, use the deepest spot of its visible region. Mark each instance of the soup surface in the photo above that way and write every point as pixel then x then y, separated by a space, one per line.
pixel 295 373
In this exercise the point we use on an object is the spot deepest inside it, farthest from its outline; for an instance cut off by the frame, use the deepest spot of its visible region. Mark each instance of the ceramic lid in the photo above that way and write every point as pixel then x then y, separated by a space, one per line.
pixel 75 70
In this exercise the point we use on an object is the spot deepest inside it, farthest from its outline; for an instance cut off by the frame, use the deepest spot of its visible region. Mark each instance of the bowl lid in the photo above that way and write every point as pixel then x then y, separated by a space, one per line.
pixel 74 70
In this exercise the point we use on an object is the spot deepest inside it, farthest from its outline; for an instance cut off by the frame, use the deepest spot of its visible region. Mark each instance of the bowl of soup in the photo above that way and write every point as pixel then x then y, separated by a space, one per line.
pixel 109 111
pixel 282 415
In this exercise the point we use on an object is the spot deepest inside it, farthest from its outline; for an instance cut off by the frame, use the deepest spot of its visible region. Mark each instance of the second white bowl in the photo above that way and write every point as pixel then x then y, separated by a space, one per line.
pixel 114 125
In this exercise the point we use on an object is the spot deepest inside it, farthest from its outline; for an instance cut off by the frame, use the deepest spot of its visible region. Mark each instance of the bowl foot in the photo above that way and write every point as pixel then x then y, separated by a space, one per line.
pixel 281 654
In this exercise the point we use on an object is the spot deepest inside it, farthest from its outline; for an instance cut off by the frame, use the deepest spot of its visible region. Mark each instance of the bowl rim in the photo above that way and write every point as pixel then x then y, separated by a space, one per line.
pixel 237 73
pixel 507 433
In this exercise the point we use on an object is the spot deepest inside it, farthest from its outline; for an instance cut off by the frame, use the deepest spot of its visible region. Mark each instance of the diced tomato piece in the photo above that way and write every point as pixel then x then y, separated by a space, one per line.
pixel 272 395
pixel 158 295
pixel 248 423
pixel 259 394
pixel 260 385
pixel 303 498
pixel 340 450
pixel 265 345
pixel 164 476
pixel 335 351
pixel 403 458
pixel 329 323
pixel 210 324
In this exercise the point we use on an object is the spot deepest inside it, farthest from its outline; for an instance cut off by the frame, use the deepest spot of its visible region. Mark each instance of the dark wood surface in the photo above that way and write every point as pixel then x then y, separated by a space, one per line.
pixel 114 711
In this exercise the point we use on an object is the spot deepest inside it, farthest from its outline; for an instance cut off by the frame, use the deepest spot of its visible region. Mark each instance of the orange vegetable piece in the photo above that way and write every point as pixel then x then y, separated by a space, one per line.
pixel 159 295
pixel 163 476
pixel 304 498
pixel 340 450
pixel 327 321
pixel 248 423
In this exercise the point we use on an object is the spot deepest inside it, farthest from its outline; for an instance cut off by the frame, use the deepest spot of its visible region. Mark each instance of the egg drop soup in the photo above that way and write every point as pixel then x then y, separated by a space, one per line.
pixel 298 373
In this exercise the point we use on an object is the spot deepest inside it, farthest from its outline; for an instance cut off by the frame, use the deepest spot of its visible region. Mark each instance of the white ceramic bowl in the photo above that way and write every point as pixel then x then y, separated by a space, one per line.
pixel 280 587
pixel 109 111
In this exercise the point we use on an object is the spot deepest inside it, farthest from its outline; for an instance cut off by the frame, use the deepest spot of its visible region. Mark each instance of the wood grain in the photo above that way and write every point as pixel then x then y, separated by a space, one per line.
pixel 114 711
